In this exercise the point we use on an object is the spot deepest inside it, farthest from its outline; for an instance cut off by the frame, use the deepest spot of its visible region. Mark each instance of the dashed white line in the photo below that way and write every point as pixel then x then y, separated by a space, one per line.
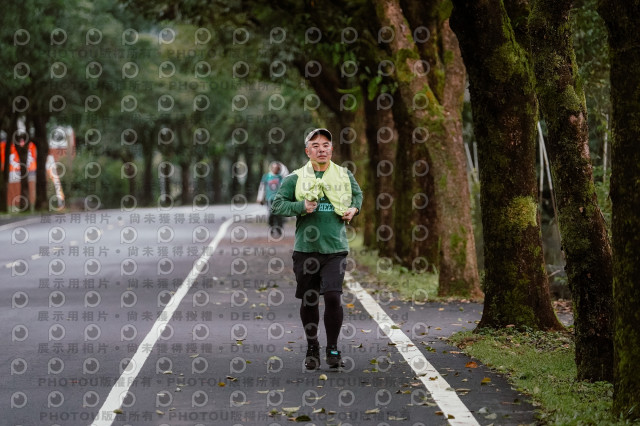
pixel 441 392
pixel 106 414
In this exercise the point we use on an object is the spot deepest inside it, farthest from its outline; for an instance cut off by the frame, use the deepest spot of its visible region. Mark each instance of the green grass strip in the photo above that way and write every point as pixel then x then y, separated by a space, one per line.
pixel 541 365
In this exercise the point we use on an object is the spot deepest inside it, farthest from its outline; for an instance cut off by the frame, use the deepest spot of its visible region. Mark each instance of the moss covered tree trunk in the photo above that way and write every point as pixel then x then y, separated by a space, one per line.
pixel 381 140
pixel 622 18
pixel 432 213
pixel 584 233
pixel 504 109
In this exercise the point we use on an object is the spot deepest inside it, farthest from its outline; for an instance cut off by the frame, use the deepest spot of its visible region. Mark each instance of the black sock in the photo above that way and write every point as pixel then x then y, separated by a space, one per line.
pixel 310 316
pixel 333 316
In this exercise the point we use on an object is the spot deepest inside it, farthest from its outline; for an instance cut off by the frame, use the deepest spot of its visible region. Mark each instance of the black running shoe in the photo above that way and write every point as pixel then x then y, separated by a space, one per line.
pixel 312 360
pixel 334 359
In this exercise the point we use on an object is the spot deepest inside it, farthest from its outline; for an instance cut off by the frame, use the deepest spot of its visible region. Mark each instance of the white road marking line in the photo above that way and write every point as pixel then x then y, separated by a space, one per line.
pixel 19 223
pixel 106 415
pixel 441 392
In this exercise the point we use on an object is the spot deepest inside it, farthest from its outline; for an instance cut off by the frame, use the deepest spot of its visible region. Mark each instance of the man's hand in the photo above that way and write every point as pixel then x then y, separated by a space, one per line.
pixel 349 214
pixel 310 206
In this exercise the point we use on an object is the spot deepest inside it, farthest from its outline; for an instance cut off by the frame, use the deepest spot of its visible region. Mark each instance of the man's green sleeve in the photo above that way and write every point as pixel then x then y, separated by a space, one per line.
pixel 284 203
pixel 356 193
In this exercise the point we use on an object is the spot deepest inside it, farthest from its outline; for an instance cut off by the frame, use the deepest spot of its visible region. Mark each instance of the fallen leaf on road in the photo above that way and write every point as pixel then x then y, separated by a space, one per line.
pixel 485 381
pixel 471 364
pixel 302 418
pixel 372 411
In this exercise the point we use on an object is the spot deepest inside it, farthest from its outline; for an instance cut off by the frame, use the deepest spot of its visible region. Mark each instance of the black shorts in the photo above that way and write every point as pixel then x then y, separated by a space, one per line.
pixel 318 271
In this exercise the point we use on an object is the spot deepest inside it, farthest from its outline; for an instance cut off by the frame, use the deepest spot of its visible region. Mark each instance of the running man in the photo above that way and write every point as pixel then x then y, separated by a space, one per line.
pixel 324 197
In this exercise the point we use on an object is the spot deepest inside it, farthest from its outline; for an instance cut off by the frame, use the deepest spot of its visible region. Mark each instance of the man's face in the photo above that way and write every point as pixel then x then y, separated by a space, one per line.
pixel 275 169
pixel 319 149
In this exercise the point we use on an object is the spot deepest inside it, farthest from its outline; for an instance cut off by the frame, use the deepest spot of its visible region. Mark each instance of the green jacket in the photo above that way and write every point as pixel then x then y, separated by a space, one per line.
pixel 322 231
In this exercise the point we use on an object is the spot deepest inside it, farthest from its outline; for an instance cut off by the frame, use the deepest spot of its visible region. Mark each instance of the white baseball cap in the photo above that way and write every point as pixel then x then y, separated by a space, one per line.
pixel 314 132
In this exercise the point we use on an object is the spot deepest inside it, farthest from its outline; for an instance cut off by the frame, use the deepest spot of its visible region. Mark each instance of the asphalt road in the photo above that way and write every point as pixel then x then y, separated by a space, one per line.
pixel 187 317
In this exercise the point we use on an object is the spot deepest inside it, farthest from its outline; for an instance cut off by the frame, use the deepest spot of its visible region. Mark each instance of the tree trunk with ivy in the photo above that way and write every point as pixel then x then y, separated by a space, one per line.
pixel 504 109
pixel 432 213
pixel 622 19
pixel 584 233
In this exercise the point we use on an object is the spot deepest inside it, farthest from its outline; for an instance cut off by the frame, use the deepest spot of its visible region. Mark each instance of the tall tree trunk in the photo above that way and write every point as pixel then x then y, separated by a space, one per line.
pixel 504 115
pixel 432 214
pixel 185 181
pixel 147 175
pixel 584 233
pixel 622 19
pixel 382 139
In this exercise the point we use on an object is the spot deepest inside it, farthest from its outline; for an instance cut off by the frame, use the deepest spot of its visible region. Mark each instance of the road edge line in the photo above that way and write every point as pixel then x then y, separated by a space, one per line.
pixel 441 392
